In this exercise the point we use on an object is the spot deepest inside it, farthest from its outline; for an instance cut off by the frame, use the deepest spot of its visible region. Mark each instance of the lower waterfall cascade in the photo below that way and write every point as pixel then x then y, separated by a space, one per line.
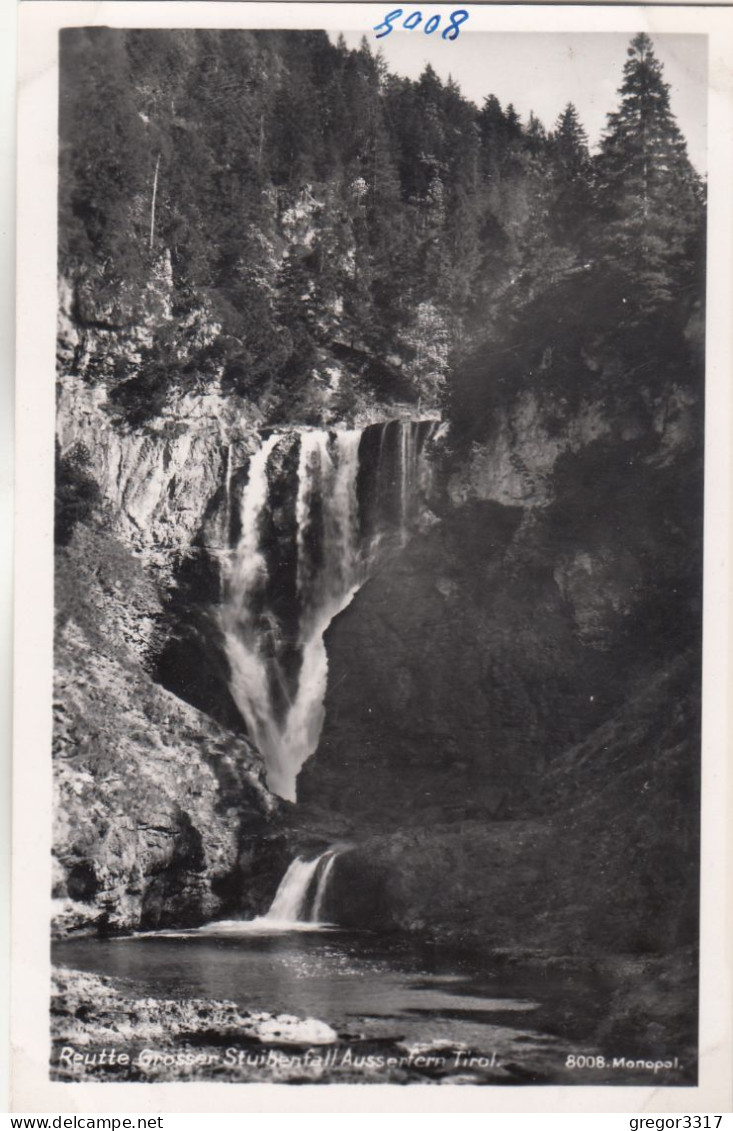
pixel 298 905
pixel 317 511
pixel 301 896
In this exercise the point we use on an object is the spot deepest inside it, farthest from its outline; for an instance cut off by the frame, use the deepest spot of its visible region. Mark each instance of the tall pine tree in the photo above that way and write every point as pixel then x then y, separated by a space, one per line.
pixel 570 142
pixel 648 193
pixel 571 162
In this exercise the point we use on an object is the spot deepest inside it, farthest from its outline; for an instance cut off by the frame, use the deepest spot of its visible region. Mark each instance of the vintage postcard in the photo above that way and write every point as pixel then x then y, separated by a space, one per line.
pixel 372 530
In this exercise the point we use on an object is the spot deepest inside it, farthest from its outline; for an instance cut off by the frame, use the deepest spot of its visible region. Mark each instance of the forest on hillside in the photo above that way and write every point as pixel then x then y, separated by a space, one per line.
pixel 269 203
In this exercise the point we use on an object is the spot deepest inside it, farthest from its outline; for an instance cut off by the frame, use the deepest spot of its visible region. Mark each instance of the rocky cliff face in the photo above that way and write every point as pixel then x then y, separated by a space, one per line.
pixel 157 482
pixel 456 676
pixel 515 463
pixel 505 635
pixel 608 863
pixel 156 805
pixel 161 804
pixel 512 724
pixel 477 682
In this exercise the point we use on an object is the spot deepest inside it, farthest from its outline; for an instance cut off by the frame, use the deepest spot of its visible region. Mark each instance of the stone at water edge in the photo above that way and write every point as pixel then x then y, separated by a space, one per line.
pixel 285 1029
pixel 88 1008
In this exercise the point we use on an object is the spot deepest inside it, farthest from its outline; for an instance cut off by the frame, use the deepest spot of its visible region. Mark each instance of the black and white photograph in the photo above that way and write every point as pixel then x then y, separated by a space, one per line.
pixel 379 491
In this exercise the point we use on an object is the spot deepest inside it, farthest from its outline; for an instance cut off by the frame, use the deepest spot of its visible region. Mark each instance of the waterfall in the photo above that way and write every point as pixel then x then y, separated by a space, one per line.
pixel 245 639
pixel 317 509
pixel 298 904
pixel 290 904
pixel 325 874
pixel 228 495
pixel 289 901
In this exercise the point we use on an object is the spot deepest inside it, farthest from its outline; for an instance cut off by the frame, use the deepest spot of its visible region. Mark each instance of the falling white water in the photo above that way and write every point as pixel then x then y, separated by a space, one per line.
pixel 279 697
pixel 380 455
pixel 405 437
pixel 326 588
pixel 294 907
pixel 228 495
pixel 323 878
pixel 243 640
pixel 250 562
pixel 310 457
pixel 289 903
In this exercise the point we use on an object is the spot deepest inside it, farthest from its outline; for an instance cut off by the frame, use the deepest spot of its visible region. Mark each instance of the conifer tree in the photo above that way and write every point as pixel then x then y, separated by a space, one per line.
pixel 513 123
pixel 492 125
pixel 570 142
pixel 648 193
pixel 536 135
pixel 572 207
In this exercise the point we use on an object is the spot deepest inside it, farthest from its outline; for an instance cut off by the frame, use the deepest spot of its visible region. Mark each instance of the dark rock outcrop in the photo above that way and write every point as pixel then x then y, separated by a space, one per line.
pixel 498 640
pixel 456 675
pixel 610 865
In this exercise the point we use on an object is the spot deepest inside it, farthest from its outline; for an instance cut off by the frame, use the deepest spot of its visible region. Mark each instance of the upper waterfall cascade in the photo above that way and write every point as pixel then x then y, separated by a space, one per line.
pixel 316 511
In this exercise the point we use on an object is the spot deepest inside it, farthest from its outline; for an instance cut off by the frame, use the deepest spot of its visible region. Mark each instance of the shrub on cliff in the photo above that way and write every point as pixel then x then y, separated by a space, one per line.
pixel 77 492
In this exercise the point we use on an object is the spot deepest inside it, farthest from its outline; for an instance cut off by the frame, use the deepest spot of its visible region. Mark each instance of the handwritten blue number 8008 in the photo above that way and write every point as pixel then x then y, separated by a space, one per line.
pixel 458 17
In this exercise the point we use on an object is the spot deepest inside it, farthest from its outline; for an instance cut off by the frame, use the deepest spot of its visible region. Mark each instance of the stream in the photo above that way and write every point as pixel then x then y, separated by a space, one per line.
pixel 489 1021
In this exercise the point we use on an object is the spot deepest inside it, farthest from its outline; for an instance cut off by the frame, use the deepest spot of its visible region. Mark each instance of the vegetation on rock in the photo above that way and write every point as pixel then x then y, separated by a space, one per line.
pixel 268 213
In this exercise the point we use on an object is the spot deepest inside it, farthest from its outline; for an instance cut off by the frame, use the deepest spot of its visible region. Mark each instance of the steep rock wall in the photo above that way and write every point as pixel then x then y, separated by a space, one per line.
pixel 503 636
pixel 455 676
pixel 512 727
pixel 159 481
pixel 609 865
pixel 157 806
pixel 515 463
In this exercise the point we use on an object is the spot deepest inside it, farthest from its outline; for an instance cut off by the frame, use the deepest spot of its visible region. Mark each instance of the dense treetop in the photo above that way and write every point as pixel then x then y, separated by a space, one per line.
pixel 264 202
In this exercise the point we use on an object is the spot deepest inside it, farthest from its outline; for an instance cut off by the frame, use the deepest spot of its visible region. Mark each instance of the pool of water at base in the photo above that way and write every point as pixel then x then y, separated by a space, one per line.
pixel 364 985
